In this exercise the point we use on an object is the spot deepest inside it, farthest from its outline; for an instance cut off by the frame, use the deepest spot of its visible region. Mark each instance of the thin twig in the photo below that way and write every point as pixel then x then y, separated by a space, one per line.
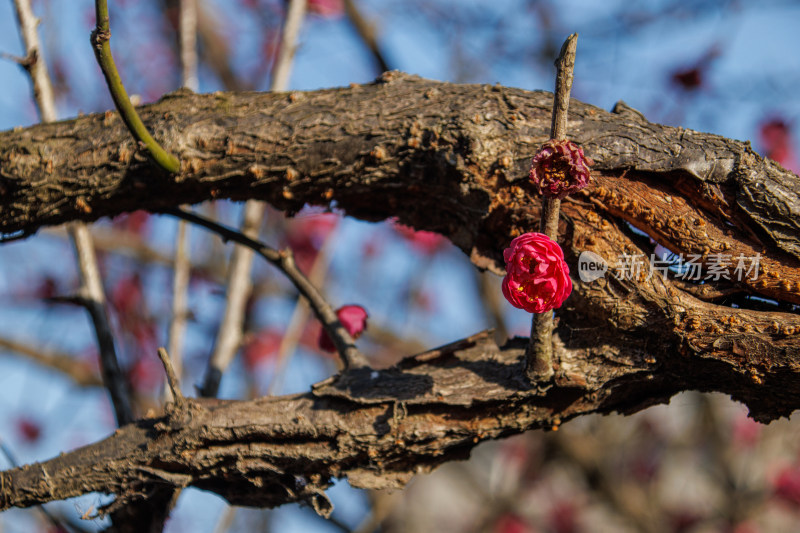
pixel 91 292
pixel 229 336
pixel 366 31
pixel 94 300
pixel 539 355
pixel 101 37
pixel 187 31
pixel 80 373
pixel 291 29
pixel 284 260
pixel 187 23
pixel 294 330
pixel 172 378
pixel 180 307
pixel 565 74
pixel 33 61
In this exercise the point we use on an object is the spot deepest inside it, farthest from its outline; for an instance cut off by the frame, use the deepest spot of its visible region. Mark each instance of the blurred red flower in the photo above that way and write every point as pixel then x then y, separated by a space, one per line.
pixel 353 318
pixel 261 347
pixel 776 138
pixel 425 242
pixel 786 486
pixel 306 235
pixel 326 8
pixel 29 431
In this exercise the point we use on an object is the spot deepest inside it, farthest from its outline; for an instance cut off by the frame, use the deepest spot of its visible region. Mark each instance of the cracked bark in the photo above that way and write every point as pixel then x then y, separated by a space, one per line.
pixel 451 159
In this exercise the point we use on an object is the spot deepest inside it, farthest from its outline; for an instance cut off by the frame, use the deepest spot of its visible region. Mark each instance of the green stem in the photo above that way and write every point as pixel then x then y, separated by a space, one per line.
pixel 101 38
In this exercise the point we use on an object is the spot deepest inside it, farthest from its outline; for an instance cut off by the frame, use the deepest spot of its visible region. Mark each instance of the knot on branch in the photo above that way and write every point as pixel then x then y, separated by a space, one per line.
pixel 100 37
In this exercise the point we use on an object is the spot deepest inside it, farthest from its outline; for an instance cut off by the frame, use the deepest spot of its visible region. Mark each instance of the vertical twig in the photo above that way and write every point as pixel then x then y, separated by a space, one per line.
pixel 34 61
pixel 229 336
pixel 539 355
pixel 95 301
pixel 187 29
pixel 180 307
pixel 295 14
pixel 187 23
pixel 91 291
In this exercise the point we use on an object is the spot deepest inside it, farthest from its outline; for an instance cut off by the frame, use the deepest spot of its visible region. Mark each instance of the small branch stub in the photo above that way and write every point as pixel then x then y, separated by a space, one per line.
pixel 172 378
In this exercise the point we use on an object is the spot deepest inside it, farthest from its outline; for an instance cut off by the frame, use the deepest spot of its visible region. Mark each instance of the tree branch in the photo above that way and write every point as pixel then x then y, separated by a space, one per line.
pixel 540 350
pixel 79 371
pixel 92 296
pixel 284 261
pixel 452 159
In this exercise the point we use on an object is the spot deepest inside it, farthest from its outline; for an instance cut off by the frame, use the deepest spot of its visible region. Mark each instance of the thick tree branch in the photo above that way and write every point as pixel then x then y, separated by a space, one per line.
pixel 452 159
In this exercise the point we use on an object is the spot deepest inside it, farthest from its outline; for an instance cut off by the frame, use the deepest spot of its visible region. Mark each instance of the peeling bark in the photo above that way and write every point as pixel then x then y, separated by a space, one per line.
pixel 452 159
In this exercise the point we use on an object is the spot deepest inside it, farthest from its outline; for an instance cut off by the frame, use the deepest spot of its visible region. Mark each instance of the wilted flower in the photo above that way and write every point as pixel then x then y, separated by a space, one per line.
pixel 537 278
pixel 559 168
pixel 354 320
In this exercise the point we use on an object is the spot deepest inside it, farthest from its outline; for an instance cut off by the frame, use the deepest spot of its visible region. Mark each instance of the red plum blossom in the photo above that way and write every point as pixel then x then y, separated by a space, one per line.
pixel 537 278
pixel 354 320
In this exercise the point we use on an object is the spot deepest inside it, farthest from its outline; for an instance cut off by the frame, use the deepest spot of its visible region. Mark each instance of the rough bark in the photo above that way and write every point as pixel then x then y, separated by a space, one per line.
pixel 452 159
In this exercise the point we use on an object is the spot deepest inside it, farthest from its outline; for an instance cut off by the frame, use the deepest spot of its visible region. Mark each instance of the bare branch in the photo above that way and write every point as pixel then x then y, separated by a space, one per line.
pixel 299 315
pixel 284 261
pixel 187 18
pixel 229 335
pixel 79 372
pixel 426 152
pixel 34 62
pixel 377 428
pixel 440 157
pixel 92 295
pixel 366 30
pixel 539 367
